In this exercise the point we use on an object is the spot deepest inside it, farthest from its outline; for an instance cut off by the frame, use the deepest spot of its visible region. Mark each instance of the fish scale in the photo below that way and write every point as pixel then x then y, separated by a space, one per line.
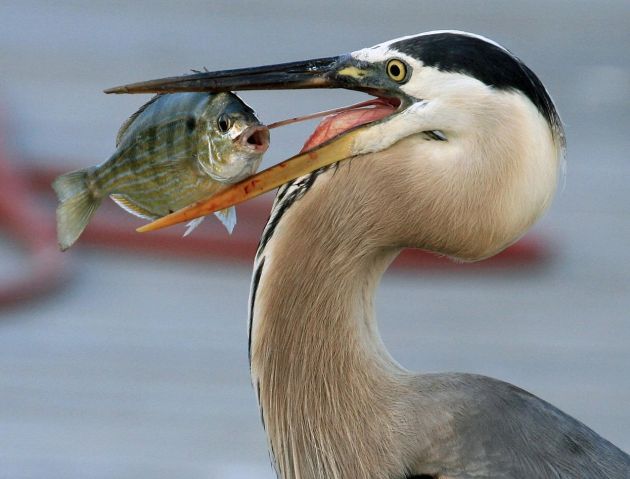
pixel 170 153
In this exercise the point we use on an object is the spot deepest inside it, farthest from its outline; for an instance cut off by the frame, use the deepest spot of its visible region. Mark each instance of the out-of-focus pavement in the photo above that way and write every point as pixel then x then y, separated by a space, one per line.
pixel 138 368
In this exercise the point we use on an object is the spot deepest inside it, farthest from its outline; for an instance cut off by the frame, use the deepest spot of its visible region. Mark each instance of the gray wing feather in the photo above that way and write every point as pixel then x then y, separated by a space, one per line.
pixel 501 431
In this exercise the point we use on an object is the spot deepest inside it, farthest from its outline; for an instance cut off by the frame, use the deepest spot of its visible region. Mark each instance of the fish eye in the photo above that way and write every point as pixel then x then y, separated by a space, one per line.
pixel 223 123
pixel 396 70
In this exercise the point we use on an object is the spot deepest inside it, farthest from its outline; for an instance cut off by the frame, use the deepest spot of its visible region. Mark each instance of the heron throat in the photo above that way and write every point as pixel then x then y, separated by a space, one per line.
pixel 317 359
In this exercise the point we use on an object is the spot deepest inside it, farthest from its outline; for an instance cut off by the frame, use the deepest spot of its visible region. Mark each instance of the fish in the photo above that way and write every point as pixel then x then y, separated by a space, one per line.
pixel 176 149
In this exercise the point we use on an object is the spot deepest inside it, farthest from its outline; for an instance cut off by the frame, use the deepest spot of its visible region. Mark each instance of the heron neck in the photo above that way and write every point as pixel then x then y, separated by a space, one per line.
pixel 323 375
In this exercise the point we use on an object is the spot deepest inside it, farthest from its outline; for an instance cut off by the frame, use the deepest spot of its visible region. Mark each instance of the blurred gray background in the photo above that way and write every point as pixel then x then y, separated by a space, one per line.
pixel 138 368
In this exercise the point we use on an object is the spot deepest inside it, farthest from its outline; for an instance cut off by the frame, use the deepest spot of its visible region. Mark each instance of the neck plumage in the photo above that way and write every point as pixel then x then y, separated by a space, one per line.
pixel 334 403
pixel 326 384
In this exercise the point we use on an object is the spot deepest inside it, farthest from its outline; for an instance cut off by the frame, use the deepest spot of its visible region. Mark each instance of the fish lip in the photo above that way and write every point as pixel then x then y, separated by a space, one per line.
pixel 255 138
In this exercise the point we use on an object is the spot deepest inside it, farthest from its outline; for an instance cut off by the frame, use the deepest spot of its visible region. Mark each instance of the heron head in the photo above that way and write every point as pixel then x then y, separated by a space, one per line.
pixel 475 133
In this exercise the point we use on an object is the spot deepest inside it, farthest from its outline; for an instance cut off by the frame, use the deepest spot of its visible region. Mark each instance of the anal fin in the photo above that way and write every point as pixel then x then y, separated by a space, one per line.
pixel 191 225
pixel 226 216
pixel 130 207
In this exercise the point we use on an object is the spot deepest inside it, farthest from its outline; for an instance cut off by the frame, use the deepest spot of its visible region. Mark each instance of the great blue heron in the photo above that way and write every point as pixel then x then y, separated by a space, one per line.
pixel 460 155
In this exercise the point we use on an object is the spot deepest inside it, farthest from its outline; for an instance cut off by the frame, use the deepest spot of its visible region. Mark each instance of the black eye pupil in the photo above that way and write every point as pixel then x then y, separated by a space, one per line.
pixel 394 70
pixel 223 125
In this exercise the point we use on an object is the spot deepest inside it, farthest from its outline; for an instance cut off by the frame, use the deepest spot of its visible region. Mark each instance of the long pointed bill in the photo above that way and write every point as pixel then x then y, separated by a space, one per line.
pixel 331 152
pixel 317 73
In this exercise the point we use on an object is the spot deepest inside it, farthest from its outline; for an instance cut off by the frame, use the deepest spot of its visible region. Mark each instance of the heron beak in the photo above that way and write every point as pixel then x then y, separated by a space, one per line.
pixel 317 73
pixel 332 72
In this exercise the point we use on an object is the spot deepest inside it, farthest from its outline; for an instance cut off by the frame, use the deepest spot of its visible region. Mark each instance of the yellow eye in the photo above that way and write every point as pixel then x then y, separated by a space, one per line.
pixel 397 70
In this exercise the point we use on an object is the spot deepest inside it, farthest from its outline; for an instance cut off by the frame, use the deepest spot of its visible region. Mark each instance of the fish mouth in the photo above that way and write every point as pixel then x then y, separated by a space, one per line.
pixel 254 138
pixel 342 133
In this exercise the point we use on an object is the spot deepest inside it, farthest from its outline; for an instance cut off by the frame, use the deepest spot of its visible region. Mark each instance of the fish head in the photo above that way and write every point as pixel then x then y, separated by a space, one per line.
pixel 236 139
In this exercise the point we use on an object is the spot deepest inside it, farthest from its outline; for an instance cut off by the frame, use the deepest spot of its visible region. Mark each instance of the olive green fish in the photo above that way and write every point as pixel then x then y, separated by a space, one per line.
pixel 176 149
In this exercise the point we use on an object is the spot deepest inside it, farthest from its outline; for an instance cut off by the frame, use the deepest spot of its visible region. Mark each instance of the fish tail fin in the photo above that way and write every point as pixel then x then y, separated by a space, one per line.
pixel 228 218
pixel 77 204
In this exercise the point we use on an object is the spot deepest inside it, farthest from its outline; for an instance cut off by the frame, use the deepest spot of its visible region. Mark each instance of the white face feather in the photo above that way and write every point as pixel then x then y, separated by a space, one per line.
pixel 439 96
pixel 451 101
pixel 426 82
pixel 383 52
pixel 487 130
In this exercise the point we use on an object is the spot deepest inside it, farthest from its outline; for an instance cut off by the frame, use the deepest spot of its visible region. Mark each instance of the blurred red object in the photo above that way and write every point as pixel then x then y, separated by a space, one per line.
pixel 112 228
pixel 32 228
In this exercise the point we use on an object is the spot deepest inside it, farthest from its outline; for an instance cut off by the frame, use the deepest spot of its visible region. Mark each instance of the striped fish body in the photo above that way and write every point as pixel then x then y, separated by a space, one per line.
pixel 157 164
pixel 177 149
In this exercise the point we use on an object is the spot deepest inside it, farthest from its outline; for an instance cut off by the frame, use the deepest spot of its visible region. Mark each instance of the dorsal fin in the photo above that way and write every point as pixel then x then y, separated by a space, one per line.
pixel 125 126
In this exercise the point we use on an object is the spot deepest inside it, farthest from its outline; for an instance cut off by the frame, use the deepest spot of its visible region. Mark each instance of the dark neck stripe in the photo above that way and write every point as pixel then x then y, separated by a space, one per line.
pixel 252 302
pixel 287 195
pixel 284 200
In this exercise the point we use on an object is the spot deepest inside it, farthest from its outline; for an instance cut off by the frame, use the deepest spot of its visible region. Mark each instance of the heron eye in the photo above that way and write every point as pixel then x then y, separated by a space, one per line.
pixel 223 123
pixel 397 70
